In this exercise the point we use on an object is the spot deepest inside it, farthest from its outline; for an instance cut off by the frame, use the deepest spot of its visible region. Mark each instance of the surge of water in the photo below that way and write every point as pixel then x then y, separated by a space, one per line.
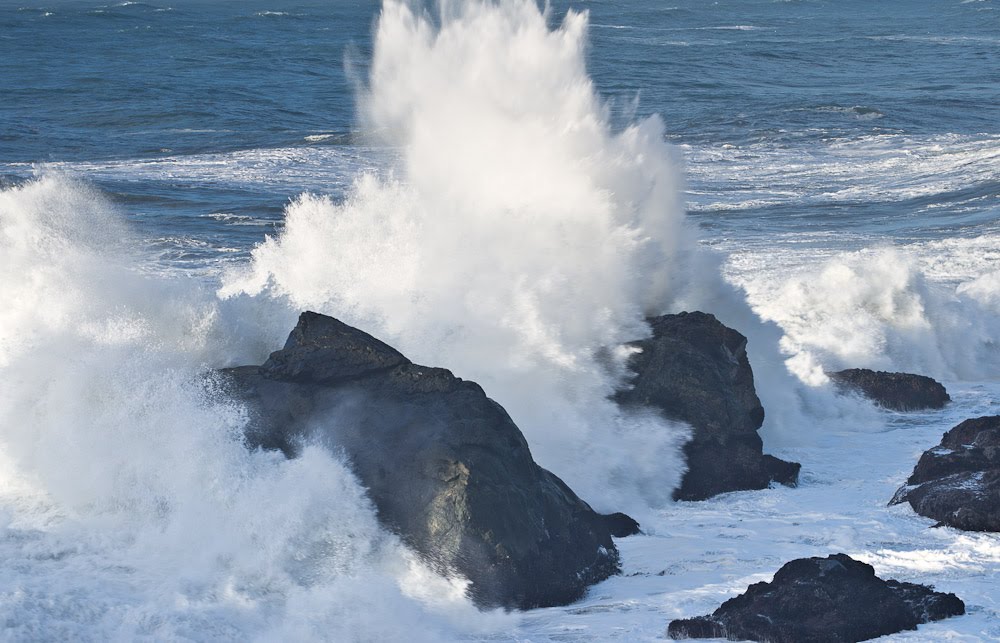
pixel 127 492
pixel 928 308
pixel 520 235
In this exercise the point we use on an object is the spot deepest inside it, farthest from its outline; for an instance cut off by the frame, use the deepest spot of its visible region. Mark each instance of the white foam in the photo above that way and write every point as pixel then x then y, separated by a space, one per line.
pixel 695 555
pixel 325 168
pixel 871 169
pixel 928 307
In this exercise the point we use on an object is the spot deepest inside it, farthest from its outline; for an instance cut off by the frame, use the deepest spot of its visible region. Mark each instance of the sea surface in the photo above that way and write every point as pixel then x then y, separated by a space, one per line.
pixel 502 190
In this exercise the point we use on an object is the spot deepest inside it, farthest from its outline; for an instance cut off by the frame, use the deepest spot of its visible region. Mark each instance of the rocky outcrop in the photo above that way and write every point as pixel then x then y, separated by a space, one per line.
pixel 829 600
pixel 445 466
pixel 895 391
pixel 695 369
pixel 957 482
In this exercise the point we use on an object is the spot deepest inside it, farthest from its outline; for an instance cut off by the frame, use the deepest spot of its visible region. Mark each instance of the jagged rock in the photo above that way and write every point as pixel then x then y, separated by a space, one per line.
pixel 829 600
pixel 895 391
pixel 445 466
pixel 695 369
pixel 958 482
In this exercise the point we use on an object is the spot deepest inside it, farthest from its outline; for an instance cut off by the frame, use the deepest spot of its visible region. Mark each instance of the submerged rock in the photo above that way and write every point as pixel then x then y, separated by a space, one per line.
pixel 695 369
pixel 445 466
pixel 958 482
pixel 829 600
pixel 895 391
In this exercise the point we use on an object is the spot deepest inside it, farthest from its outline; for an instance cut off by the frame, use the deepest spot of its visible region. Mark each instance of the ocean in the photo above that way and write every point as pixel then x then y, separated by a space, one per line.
pixel 502 189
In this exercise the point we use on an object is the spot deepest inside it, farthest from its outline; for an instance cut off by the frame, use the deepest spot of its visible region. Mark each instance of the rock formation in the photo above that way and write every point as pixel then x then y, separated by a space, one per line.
pixel 958 482
pixel 829 600
pixel 445 466
pixel 695 369
pixel 895 391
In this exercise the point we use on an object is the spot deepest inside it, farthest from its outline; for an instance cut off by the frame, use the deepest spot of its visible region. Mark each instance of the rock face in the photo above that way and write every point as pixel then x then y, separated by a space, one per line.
pixel 445 466
pixel 825 600
pixel 895 391
pixel 695 369
pixel 958 482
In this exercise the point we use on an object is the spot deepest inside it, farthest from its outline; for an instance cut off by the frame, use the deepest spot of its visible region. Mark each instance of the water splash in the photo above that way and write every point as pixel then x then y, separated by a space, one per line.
pixel 520 235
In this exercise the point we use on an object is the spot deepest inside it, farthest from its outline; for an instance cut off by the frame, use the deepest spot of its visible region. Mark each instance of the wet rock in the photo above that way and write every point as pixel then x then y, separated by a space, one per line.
pixel 895 391
pixel 958 482
pixel 830 600
pixel 695 369
pixel 620 525
pixel 445 466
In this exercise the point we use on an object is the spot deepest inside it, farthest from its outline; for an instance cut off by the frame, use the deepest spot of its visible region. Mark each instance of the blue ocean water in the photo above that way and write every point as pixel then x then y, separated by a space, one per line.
pixel 488 189
pixel 203 117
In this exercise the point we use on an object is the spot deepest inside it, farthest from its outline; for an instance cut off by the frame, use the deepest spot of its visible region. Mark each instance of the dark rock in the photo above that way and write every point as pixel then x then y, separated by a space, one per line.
pixel 895 391
pixel 829 600
pixel 958 482
pixel 620 525
pixel 445 466
pixel 695 369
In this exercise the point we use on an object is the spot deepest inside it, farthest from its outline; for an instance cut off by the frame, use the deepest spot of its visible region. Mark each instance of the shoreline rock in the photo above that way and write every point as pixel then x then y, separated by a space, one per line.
pixel 445 466
pixel 828 599
pixel 695 369
pixel 957 482
pixel 894 391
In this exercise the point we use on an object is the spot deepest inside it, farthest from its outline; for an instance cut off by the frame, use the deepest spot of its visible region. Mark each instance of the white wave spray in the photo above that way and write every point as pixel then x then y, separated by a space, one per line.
pixel 128 500
pixel 928 308
pixel 520 235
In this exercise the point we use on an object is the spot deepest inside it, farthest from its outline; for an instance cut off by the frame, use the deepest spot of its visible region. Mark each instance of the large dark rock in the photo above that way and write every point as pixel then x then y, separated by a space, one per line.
pixel 895 391
pixel 445 466
pixel 829 600
pixel 695 369
pixel 958 482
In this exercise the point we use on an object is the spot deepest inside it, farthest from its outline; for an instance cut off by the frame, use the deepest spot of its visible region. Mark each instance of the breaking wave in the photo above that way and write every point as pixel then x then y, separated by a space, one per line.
pixel 125 485
pixel 518 235
pixel 928 308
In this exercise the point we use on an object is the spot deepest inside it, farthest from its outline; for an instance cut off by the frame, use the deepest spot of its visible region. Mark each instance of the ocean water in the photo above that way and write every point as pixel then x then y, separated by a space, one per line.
pixel 501 189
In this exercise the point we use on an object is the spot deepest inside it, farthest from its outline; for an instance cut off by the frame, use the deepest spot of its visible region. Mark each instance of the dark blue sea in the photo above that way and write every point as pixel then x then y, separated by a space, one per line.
pixel 879 116
pixel 503 189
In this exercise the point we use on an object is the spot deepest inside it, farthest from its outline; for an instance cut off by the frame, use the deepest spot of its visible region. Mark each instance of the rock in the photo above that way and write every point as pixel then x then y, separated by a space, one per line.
pixel 621 526
pixel 695 369
pixel 830 599
pixel 444 465
pixel 958 482
pixel 895 391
